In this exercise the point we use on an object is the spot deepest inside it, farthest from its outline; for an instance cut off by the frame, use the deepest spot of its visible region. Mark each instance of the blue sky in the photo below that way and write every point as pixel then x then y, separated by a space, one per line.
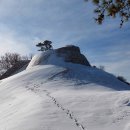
pixel 23 23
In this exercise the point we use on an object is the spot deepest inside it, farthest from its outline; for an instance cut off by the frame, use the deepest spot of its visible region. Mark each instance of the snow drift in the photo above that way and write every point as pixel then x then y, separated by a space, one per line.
pixel 52 94
pixel 78 73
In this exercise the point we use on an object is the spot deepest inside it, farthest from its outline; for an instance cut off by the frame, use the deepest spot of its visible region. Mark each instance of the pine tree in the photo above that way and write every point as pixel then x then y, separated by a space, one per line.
pixel 112 8
pixel 46 45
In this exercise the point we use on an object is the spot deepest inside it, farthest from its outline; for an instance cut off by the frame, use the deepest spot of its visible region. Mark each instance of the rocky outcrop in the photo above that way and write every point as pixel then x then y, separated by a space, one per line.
pixel 72 54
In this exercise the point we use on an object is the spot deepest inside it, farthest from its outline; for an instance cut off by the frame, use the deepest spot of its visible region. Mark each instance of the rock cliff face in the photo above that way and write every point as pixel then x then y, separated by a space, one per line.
pixel 72 54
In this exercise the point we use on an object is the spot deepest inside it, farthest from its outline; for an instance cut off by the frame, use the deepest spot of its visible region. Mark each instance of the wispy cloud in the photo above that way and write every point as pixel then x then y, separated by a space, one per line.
pixel 9 42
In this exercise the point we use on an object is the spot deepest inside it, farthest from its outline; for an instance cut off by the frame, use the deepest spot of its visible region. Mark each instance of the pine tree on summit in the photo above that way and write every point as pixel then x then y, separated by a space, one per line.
pixel 46 45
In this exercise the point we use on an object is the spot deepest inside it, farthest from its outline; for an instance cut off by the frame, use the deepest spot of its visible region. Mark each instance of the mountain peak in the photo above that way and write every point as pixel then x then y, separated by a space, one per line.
pixel 60 57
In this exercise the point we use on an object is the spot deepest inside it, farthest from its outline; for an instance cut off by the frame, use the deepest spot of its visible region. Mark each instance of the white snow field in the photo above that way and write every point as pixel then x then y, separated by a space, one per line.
pixel 55 95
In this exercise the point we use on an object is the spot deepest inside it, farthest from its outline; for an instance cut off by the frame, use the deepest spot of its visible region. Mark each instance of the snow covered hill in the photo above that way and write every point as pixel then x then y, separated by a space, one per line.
pixel 52 94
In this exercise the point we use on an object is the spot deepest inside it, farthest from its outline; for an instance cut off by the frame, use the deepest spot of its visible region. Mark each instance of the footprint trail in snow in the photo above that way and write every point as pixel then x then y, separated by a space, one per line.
pixel 66 111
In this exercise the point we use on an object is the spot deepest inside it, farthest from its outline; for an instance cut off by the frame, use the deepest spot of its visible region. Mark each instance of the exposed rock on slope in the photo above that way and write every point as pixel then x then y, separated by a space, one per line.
pixel 72 54
pixel 60 57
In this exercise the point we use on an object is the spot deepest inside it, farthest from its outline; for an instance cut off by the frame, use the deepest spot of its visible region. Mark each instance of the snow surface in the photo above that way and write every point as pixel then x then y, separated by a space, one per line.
pixel 54 95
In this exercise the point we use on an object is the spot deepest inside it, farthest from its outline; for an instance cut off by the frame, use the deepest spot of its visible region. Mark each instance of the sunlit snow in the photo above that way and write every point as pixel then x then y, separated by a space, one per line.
pixel 55 95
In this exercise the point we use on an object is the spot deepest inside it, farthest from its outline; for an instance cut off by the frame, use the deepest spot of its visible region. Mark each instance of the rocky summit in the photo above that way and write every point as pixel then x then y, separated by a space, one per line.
pixel 72 54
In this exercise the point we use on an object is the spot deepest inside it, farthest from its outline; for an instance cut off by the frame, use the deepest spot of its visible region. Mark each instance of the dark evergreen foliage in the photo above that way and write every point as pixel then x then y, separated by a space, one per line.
pixel 122 79
pixel 112 8
pixel 46 45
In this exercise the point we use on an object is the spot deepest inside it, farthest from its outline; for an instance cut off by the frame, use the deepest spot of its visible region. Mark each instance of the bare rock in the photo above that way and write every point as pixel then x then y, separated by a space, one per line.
pixel 72 54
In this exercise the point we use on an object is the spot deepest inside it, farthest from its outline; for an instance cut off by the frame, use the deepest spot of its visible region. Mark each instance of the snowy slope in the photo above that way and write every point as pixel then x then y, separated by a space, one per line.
pixel 54 95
